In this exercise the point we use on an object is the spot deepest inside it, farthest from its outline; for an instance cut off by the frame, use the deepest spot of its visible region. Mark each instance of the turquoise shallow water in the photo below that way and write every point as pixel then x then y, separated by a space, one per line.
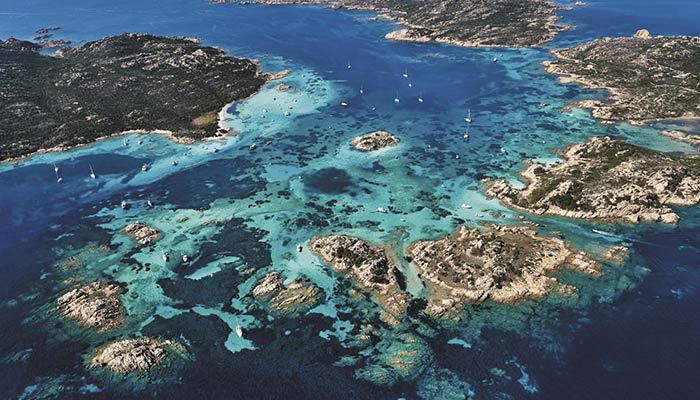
pixel 308 181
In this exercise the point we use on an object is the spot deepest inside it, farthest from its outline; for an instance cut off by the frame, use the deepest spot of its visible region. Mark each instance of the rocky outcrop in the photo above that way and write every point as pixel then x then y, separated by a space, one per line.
pixel 648 78
pixel 503 264
pixel 130 355
pixel 605 179
pixel 96 305
pixel 113 85
pixel 683 137
pixel 143 233
pixel 368 266
pixel 616 254
pixel 294 299
pixel 375 141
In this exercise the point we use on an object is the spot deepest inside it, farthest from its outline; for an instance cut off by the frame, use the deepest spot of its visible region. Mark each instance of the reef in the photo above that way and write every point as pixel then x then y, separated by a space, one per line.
pixel 130 355
pixel 369 267
pixel 504 264
pixel 470 23
pixel 648 78
pixel 96 305
pixel 143 233
pixel 374 141
pixel 119 83
pixel 294 299
pixel 610 180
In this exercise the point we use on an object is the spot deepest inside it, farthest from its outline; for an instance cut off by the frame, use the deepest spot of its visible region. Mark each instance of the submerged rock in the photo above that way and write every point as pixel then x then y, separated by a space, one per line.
pixel 403 357
pixel 374 141
pixel 95 305
pixel 503 264
pixel 297 298
pixel 368 266
pixel 605 179
pixel 143 233
pixel 139 354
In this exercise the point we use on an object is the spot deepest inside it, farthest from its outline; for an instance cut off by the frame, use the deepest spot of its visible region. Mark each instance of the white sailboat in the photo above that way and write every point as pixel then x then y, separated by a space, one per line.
pixel 420 98
pixel 124 205
pixel 185 258
pixel 92 172
pixel 165 257
pixel 410 84
pixel 125 142
pixel 349 65
pixel 145 167
pixel 468 118
pixel 466 134
pixel 239 331
pixel 362 89
pixel 55 168
pixel 405 73
pixel 396 99
pixel 150 204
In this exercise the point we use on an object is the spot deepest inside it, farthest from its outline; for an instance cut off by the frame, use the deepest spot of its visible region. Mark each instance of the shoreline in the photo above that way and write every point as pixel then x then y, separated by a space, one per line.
pixel 168 134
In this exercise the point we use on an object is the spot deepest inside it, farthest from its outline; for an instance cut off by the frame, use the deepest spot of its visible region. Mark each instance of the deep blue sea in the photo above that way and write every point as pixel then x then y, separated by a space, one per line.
pixel 632 333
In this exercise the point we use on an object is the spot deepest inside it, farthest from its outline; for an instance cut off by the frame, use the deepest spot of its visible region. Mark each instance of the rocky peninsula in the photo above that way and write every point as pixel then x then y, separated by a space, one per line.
pixel 119 83
pixel 142 233
pixel 368 266
pixel 294 299
pixel 470 23
pixel 130 355
pixel 504 264
pixel 610 180
pixel 96 305
pixel 375 141
pixel 648 78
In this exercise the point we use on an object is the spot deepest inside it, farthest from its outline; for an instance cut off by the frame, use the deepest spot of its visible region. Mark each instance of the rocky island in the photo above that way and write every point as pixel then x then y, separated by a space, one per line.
pixel 374 141
pixel 130 355
pixel 610 180
pixel 368 266
pixel 648 78
pixel 294 299
pixel 119 83
pixel 470 23
pixel 96 305
pixel 142 233
pixel 503 264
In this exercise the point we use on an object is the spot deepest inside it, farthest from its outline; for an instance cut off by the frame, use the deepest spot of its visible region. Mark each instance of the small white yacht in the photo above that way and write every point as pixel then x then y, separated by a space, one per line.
pixel 405 73
pixel 174 162
pixel 467 206
pixel 239 331
pixel 410 84
pixel 349 66
pixel 125 142
pixel 343 104
pixel 456 156
pixel 59 180
pixel 396 99
pixel 92 172
pixel 495 59
pixel 165 257
pixel 286 113
pixel 185 258
pixel 362 90
pixel 124 205
pixel 503 150
pixel 55 168
pixel 381 210
pixel 150 203
pixel 252 147
pixel 420 99
pixel 300 249
pixel 145 167
pixel 468 118
pixel 140 141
